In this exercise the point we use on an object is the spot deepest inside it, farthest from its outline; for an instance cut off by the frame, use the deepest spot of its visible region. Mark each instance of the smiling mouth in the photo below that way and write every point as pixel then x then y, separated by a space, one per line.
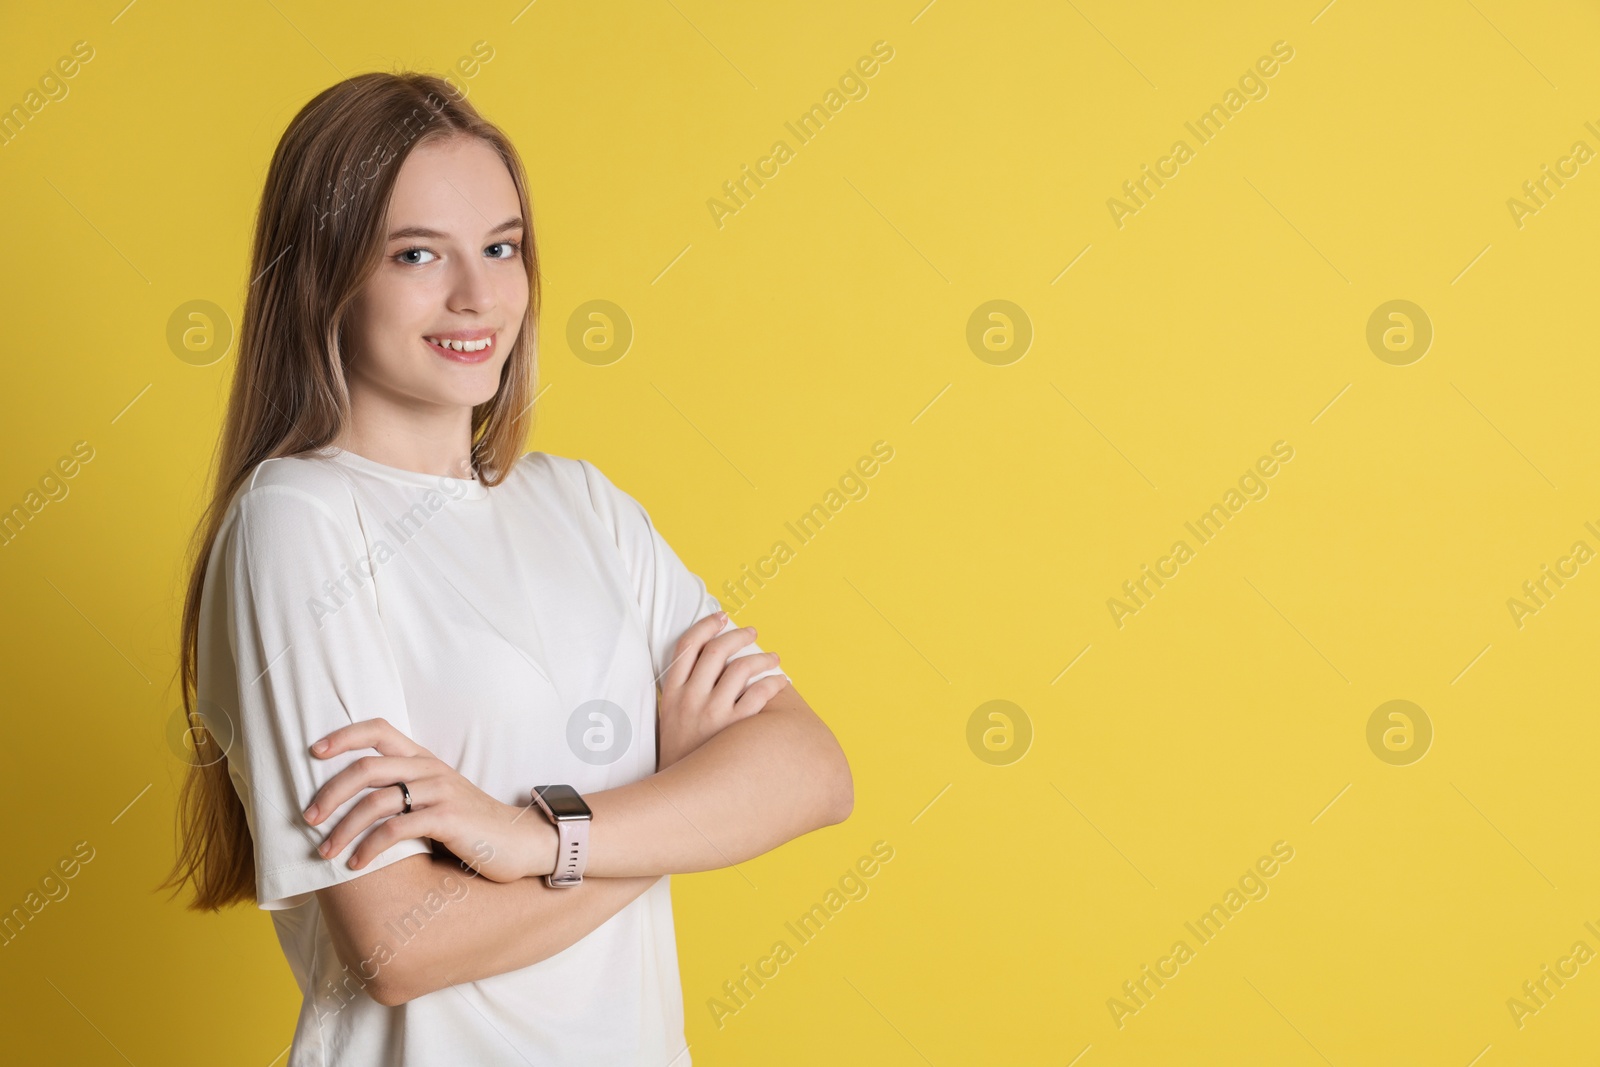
pixel 463 347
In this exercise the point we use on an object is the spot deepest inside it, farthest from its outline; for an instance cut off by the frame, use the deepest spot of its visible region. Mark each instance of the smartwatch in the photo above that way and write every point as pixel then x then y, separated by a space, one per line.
pixel 565 809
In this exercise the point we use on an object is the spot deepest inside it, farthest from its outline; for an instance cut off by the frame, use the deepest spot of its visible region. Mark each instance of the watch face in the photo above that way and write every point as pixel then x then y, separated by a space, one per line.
pixel 564 802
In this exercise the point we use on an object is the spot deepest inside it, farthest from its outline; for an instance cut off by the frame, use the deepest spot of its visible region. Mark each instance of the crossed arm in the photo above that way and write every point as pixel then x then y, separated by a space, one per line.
pixel 760 782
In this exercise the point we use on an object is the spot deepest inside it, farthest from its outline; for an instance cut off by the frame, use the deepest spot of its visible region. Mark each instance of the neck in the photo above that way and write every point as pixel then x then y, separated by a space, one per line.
pixel 398 431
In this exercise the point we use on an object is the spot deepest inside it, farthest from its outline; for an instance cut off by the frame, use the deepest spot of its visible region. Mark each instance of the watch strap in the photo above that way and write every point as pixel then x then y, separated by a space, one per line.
pixel 572 855
pixel 572 844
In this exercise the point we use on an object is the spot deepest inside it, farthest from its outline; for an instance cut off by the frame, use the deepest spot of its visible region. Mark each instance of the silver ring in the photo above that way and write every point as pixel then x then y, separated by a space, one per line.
pixel 406 793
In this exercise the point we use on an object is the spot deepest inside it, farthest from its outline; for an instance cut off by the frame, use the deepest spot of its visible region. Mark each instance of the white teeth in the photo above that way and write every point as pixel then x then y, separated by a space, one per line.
pixel 461 346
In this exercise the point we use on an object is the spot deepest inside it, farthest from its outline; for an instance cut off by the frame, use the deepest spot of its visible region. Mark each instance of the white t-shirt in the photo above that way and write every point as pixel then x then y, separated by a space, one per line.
pixel 517 634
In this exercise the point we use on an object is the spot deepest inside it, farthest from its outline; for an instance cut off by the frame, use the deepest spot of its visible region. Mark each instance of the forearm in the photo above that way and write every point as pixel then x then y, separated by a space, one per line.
pixel 760 782
pixel 483 928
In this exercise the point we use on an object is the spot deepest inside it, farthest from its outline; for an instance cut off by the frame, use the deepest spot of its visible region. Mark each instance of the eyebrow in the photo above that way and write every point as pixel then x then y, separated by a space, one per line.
pixel 513 223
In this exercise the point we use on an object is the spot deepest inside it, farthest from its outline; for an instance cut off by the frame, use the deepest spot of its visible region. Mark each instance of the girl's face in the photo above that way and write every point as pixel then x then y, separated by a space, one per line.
pixel 452 271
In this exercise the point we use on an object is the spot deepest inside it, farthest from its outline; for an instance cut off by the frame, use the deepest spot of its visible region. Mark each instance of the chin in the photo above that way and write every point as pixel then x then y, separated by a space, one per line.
pixel 471 398
pixel 453 394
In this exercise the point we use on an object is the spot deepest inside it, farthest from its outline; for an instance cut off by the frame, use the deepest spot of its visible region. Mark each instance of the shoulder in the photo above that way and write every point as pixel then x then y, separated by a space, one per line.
pixel 287 490
pixel 567 474
pixel 588 493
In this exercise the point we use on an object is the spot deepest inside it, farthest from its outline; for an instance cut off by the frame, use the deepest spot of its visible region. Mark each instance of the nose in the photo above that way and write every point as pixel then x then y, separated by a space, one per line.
pixel 471 289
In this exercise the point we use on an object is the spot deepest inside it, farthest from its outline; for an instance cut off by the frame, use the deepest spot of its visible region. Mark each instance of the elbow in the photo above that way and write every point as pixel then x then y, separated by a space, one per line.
pixel 842 792
pixel 391 989
pixel 390 984
pixel 371 972
pixel 386 996
pixel 354 914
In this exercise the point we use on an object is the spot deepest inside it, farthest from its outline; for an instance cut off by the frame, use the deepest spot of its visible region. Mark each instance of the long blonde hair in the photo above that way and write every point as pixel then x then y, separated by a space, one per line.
pixel 319 235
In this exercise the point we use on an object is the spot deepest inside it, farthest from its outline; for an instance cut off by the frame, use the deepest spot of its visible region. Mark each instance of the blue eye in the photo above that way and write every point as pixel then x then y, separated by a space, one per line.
pixel 511 250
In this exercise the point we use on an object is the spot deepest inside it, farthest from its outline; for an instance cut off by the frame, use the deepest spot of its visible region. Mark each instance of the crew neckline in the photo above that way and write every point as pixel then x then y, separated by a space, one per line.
pixel 450 487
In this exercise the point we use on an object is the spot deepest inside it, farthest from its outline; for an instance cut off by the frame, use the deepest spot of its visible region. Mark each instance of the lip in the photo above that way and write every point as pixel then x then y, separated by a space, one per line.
pixel 463 335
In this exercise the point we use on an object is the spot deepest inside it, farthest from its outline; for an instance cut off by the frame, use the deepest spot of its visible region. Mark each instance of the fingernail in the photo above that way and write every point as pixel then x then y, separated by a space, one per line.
pixel 320 746
pixel 311 813
pixel 722 616
pixel 323 848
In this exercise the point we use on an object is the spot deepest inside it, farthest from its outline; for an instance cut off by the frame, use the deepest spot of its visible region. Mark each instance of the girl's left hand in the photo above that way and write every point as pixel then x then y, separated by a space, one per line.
pixel 491 837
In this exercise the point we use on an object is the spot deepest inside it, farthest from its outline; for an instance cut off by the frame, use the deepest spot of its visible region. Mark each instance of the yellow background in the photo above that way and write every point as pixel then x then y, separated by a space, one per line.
pixel 830 313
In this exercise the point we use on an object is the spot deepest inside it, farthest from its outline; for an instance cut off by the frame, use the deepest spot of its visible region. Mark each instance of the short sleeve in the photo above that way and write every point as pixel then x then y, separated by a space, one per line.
pixel 311 655
pixel 671 597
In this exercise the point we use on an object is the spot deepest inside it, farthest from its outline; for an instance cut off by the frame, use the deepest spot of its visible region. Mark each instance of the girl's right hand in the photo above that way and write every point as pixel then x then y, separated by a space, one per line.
pixel 703 692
